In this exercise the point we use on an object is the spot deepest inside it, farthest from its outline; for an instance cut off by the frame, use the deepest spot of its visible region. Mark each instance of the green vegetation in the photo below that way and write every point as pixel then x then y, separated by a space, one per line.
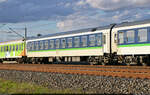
pixel 10 87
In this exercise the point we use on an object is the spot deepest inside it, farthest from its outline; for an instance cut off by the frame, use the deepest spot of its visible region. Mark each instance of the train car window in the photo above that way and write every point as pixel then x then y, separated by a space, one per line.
pixel 28 46
pixel 63 43
pixel 19 46
pixel 121 38
pixel 57 43
pixel 2 49
pixel 7 48
pixel 46 44
pixel 69 40
pixel 41 45
pixel 130 36
pixel 10 48
pixel 36 45
pixel 22 46
pixel 13 47
pixel 51 44
pixel 16 47
pixel 92 40
pixel 142 35
pixel 32 45
pixel 76 42
pixel 99 39
pixel 84 41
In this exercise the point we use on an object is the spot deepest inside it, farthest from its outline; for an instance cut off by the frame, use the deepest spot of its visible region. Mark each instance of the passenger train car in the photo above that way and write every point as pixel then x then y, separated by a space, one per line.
pixel 68 47
pixel 12 50
pixel 125 43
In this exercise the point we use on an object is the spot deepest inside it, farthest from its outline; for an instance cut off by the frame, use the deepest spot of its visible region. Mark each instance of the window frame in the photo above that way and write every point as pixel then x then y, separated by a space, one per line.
pixel 16 47
pixel 70 42
pixel 94 41
pixel 46 46
pixel 84 43
pixel 142 36
pixel 63 44
pixel 52 43
pixel 122 38
pixel 57 43
pixel 100 37
pixel 127 37
pixel 74 41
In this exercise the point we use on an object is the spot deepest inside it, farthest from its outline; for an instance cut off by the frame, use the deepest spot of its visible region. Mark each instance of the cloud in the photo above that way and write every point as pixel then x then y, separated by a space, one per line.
pixel 109 5
pixel 2 1
pixel 14 11
pixel 79 20
pixel 83 20
pixel 92 13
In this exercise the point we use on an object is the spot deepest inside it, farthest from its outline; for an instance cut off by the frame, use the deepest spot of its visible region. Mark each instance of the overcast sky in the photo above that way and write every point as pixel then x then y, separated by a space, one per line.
pixel 53 16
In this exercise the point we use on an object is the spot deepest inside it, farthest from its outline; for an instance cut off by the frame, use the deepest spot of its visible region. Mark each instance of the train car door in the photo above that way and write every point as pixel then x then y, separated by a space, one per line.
pixel 105 49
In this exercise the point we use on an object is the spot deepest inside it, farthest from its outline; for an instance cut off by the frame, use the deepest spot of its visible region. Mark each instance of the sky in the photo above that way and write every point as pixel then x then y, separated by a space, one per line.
pixel 55 16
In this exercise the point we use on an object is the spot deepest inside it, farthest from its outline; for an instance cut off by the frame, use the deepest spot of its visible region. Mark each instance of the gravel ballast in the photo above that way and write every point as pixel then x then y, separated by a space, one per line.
pixel 85 83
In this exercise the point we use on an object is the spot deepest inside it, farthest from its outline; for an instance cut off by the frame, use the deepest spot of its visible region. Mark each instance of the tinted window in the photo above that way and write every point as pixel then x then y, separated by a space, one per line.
pixel 99 39
pixel 32 45
pixel 13 47
pixel 142 35
pixel 2 49
pixel 29 46
pixel 36 45
pixel 6 48
pixel 41 45
pixel 84 41
pixel 63 43
pixel 51 44
pixel 57 43
pixel 130 36
pixel 92 40
pixel 10 48
pixel 121 37
pixel 46 44
pixel 20 47
pixel 69 42
pixel 76 41
pixel 16 47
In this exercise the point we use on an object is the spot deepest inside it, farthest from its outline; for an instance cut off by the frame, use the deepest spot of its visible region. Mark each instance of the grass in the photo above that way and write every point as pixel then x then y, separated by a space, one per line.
pixel 10 87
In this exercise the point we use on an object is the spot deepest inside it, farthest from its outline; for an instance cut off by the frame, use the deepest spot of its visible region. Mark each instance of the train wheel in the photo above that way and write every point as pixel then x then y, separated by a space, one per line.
pixel 128 61
pixel 144 64
pixel 103 63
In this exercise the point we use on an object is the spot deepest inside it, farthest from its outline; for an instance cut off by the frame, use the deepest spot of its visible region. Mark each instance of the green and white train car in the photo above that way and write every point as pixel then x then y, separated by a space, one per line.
pixel 12 50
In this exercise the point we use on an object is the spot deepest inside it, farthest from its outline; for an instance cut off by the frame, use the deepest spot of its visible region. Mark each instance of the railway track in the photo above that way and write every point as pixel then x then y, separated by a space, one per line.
pixel 114 71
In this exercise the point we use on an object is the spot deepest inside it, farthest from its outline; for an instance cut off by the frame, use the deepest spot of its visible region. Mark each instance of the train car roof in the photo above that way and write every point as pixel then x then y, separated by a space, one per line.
pixel 123 24
pixel 11 41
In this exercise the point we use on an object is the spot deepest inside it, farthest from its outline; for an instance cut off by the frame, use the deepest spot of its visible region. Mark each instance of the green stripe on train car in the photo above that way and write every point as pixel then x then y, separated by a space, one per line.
pixel 135 45
pixel 68 49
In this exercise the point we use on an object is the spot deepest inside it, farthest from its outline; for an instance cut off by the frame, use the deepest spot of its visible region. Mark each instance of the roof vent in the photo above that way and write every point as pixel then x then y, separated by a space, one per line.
pixel 94 29
pixel 125 22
